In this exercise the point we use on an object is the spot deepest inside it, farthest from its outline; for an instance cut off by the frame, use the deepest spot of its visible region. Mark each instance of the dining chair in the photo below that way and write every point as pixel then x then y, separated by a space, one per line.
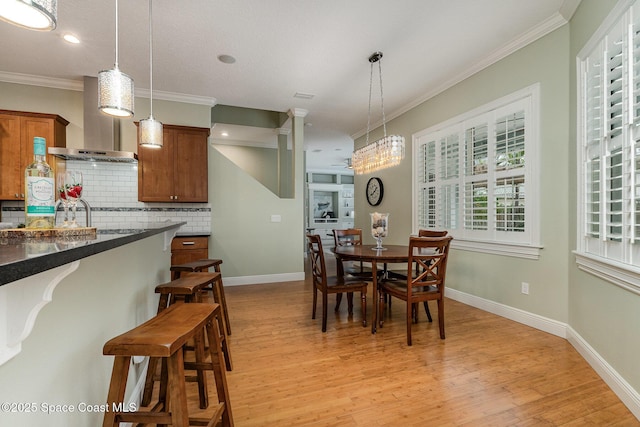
pixel 332 284
pixel 428 256
pixel 428 233
pixel 349 237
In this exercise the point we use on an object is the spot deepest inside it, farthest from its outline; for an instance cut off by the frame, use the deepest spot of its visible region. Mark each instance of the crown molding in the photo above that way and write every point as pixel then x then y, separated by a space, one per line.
pixel 78 85
pixel 556 21
pixel 51 82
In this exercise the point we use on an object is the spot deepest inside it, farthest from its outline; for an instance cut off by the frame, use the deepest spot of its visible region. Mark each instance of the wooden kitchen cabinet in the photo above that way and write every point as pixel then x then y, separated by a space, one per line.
pixel 177 172
pixel 188 249
pixel 17 130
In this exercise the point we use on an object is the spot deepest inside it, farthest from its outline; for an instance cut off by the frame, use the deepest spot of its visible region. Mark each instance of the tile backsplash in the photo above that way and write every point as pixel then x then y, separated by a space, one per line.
pixel 111 189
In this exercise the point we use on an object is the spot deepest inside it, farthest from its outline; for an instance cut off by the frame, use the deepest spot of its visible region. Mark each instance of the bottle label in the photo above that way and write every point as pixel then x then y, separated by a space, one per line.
pixel 40 196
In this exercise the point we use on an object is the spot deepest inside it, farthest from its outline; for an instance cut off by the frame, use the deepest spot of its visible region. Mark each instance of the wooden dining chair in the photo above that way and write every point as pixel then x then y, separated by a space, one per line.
pixel 428 256
pixel 332 284
pixel 428 233
pixel 349 237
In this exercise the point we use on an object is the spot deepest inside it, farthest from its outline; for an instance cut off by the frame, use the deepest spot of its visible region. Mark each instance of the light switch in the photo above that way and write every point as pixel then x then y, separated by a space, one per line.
pixel 276 218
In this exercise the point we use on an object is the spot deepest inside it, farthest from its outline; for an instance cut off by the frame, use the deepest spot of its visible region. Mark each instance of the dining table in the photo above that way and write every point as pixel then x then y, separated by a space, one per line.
pixel 369 253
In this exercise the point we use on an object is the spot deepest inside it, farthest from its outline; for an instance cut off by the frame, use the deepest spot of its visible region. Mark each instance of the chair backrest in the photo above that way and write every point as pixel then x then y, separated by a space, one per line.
pixel 430 256
pixel 347 237
pixel 432 233
pixel 316 253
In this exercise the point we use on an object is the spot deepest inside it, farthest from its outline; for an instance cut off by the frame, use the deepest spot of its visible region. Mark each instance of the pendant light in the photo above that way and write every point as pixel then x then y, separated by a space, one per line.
pixel 387 151
pixel 39 15
pixel 115 88
pixel 150 129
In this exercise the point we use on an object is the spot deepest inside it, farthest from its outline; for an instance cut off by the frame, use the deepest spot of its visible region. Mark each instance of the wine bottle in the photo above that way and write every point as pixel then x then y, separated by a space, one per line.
pixel 40 199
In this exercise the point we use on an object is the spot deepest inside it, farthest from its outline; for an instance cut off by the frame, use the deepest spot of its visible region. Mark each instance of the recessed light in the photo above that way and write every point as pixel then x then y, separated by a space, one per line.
pixel 227 59
pixel 224 133
pixel 70 38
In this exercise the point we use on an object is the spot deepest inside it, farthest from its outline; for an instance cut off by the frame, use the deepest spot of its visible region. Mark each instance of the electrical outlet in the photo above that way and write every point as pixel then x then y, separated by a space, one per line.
pixel 525 288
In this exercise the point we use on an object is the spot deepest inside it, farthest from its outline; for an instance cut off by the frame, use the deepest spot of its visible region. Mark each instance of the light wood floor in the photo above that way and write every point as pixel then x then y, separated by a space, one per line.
pixel 489 371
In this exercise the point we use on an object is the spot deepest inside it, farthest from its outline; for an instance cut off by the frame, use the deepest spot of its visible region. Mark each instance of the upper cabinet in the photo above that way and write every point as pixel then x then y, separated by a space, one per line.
pixel 177 172
pixel 17 130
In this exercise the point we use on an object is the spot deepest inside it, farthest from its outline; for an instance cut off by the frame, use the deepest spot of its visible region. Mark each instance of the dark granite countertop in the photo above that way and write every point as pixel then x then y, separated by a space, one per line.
pixel 20 258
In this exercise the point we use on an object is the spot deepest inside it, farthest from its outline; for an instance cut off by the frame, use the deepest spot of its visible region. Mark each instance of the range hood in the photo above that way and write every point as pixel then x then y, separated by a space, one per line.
pixel 101 133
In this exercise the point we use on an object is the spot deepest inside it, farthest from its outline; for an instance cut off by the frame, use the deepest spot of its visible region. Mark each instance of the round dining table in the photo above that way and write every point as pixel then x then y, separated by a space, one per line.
pixel 369 253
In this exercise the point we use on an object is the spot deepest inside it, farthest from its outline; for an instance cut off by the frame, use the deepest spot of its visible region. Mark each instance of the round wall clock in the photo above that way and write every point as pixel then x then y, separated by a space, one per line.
pixel 375 191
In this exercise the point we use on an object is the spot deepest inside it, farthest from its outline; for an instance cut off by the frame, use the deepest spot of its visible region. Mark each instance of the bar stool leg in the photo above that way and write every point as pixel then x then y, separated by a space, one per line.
pixel 177 390
pixel 217 361
pixel 223 301
pixel 116 389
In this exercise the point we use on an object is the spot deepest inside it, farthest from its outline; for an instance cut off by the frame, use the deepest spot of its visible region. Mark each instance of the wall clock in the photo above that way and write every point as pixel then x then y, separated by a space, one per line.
pixel 375 191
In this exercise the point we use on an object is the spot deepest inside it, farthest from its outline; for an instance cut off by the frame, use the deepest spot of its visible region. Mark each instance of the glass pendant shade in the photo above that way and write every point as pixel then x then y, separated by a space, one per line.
pixel 150 133
pixel 115 93
pixel 40 15
pixel 150 129
pixel 387 151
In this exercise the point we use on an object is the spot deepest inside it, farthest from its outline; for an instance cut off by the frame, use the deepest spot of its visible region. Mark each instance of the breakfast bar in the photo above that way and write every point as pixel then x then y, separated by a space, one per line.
pixel 60 302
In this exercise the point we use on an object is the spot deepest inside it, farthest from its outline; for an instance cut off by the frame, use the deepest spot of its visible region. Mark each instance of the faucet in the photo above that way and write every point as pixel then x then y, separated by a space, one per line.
pixel 87 209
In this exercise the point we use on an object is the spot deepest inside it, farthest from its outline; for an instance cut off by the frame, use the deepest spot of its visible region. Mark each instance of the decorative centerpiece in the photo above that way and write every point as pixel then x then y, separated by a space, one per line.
pixel 379 228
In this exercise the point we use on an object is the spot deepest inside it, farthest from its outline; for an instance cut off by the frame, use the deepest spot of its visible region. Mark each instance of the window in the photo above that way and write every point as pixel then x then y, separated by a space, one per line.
pixel 474 176
pixel 609 149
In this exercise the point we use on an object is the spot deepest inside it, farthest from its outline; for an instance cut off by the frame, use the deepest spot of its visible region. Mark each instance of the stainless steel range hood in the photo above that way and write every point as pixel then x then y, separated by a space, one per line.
pixel 101 133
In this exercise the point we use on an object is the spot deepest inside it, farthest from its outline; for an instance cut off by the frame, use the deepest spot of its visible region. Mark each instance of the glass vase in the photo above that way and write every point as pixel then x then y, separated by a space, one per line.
pixel 379 228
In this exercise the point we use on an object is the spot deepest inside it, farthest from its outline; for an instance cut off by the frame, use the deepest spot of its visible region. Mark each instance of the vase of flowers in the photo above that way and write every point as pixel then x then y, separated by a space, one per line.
pixel 379 228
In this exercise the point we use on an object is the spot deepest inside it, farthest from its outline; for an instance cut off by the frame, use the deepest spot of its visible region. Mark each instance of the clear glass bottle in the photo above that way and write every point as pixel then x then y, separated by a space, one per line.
pixel 40 199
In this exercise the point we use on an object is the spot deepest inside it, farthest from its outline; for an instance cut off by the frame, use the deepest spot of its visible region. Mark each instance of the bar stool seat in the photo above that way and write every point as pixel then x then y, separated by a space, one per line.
pixel 164 336
pixel 188 289
pixel 217 289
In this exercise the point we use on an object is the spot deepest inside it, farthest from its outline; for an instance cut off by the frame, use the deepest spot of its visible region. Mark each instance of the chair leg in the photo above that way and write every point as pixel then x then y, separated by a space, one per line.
pixel 315 301
pixel 381 306
pixel 441 317
pixel 350 302
pixel 324 311
pixel 426 310
pixel 409 321
pixel 338 301
pixel 363 308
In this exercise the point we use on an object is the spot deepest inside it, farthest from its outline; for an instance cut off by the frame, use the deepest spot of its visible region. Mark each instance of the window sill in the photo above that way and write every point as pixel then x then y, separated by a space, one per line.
pixel 625 276
pixel 494 248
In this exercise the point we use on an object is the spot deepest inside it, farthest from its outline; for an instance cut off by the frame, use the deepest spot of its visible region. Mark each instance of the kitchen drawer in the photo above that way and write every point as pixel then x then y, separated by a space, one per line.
pixel 189 243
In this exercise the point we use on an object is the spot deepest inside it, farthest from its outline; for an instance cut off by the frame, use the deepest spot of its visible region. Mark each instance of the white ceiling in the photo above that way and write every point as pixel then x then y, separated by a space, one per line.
pixel 283 47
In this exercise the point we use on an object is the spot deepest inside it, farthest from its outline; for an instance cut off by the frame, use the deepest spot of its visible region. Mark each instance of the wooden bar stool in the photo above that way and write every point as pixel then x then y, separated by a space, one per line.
pixel 188 289
pixel 164 337
pixel 217 289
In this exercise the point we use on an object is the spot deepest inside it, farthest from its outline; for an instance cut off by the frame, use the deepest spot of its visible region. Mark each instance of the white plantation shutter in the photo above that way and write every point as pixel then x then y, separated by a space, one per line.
pixel 426 200
pixel 609 146
pixel 471 174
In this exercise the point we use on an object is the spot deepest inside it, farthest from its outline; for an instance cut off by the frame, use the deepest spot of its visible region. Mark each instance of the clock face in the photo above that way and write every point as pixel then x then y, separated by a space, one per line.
pixel 375 191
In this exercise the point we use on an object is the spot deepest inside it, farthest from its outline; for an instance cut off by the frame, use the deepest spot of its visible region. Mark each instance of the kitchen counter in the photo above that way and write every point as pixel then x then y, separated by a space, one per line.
pixel 20 258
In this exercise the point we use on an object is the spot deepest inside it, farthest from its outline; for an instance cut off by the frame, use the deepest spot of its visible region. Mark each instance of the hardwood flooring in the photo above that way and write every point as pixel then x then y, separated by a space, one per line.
pixel 489 371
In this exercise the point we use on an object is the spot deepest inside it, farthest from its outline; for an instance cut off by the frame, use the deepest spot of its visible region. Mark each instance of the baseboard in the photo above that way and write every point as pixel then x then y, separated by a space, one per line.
pixel 535 321
pixel 627 394
pixel 264 278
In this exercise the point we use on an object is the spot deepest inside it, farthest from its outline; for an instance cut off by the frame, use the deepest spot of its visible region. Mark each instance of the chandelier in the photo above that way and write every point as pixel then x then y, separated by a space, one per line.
pixel 385 152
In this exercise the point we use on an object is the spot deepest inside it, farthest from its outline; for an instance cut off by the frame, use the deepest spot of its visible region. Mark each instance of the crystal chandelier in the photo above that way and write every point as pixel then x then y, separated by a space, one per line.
pixel 39 15
pixel 150 128
pixel 385 152
pixel 115 88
